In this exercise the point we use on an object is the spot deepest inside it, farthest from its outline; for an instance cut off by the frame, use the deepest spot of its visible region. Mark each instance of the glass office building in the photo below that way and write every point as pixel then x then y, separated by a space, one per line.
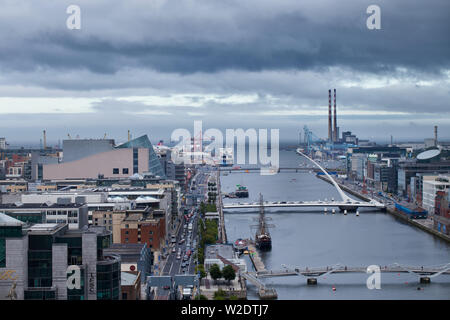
pixel 154 165
pixel 40 255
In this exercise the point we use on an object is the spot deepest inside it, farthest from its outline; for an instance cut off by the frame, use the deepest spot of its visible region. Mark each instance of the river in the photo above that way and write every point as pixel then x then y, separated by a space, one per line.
pixel 310 238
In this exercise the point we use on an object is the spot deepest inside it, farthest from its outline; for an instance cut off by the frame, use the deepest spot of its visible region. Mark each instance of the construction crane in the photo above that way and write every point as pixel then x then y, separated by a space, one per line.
pixel 310 138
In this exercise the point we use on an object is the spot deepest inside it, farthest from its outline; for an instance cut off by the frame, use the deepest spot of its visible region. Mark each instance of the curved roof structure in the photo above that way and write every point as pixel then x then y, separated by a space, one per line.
pixel 429 154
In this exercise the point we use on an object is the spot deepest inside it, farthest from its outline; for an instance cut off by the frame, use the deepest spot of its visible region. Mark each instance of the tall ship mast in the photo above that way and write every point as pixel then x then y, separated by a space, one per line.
pixel 263 240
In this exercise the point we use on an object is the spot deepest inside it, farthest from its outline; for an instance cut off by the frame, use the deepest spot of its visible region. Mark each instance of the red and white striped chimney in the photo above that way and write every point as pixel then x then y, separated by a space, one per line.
pixel 335 133
pixel 330 132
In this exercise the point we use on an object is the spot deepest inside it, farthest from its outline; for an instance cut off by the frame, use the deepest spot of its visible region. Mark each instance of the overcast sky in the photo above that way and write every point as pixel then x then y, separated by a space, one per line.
pixel 152 66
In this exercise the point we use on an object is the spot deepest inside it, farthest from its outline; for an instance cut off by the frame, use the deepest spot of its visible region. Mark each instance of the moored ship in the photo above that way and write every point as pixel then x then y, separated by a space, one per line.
pixel 263 240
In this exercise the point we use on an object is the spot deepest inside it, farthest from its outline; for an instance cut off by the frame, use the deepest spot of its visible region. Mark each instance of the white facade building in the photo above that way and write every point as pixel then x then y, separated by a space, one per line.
pixel 431 187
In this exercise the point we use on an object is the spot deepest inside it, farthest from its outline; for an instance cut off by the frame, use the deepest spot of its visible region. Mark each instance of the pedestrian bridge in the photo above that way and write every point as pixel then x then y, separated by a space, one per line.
pixel 423 273
pixel 350 206
pixel 339 269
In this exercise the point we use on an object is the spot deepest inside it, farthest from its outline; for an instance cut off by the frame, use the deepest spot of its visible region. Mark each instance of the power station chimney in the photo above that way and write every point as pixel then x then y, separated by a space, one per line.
pixel 335 133
pixel 435 136
pixel 129 138
pixel 45 140
pixel 330 132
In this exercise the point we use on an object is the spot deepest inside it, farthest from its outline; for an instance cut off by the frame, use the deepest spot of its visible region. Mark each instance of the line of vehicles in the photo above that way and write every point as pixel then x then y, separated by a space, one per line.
pixel 185 247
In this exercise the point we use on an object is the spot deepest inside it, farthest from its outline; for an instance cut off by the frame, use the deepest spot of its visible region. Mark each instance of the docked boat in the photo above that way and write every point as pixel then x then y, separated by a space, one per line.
pixel 241 191
pixel 263 240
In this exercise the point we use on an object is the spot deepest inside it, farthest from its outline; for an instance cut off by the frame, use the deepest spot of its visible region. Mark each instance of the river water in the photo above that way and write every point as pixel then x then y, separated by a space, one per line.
pixel 309 238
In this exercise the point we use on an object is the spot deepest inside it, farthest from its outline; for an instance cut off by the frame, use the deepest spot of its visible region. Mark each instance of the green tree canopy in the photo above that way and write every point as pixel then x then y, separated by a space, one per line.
pixel 215 272
pixel 228 273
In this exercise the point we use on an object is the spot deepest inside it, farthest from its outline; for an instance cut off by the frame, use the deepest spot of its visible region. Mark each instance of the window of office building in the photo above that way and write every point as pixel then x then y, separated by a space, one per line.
pixel 125 170
pixel 115 170
pixel 73 214
pixel 135 161
pixel 40 261
pixel 2 253
pixel 108 281
pixel 39 295
pixel 74 249
pixel 31 217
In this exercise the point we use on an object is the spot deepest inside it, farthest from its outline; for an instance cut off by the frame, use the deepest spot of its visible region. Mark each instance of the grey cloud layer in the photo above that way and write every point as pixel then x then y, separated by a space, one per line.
pixel 287 52
pixel 208 36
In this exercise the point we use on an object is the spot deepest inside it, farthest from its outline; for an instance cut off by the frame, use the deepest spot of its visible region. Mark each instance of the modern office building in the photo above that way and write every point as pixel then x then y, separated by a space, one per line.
pixel 35 261
pixel 86 161
pixel 74 214
pixel 386 177
pixel 409 169
pixel 441 217
pixel 133 257
pixel 430 191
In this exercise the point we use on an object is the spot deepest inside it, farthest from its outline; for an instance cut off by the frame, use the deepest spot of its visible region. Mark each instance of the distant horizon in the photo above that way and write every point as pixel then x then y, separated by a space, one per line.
pixel 154 141
pixel 155 66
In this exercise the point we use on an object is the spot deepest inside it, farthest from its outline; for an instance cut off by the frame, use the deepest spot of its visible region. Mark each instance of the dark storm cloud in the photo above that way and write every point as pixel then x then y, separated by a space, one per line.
pixel 286 53
pixel 210 36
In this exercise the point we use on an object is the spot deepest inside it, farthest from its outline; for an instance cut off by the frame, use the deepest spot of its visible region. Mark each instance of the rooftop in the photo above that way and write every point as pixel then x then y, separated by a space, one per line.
pixel 127 279
pixel 140 192
pixel 45 228
pixel 7 221
pixel 20 205
pixel 99 230
pixel 224 250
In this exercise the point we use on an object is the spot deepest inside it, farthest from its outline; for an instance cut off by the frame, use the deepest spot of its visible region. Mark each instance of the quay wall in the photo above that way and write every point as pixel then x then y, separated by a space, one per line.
pixel 394 212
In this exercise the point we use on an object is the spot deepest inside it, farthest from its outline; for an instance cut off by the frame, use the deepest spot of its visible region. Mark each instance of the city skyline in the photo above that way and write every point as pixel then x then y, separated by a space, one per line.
pixel 156 67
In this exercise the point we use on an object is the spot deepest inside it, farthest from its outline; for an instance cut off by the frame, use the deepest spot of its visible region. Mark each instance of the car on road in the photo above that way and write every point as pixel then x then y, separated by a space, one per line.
pixel 174 250
pixel 181 241
pixel 178 256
